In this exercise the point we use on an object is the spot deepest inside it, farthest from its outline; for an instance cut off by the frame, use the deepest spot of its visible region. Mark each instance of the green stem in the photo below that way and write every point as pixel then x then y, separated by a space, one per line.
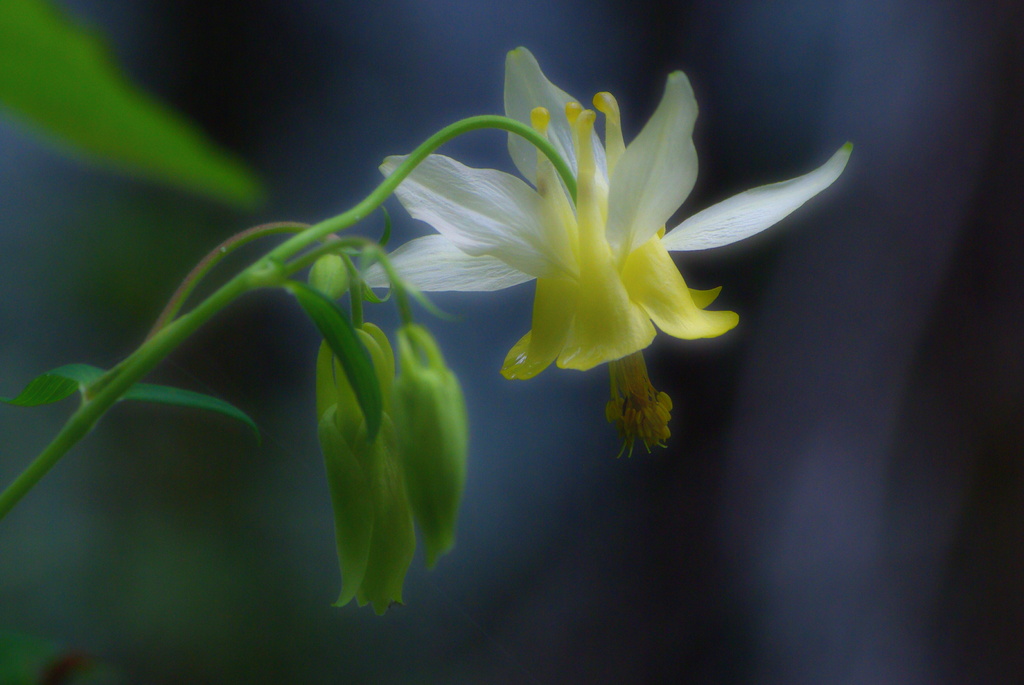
pixel 268 271
pixel 374 200
pixel 397 285
pixel 332 244
pixel 212 258
pixel 355 292
pixel 117 382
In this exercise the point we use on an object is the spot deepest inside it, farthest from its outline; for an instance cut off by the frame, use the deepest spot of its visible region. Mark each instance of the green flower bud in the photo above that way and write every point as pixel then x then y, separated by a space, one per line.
pixel 373 521
pixel 430 412
pixel 394 537
pixel 329 276
pixel 352 499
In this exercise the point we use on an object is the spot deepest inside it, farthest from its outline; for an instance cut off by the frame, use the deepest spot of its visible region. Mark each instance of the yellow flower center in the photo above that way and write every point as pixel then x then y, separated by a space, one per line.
pixel 636 408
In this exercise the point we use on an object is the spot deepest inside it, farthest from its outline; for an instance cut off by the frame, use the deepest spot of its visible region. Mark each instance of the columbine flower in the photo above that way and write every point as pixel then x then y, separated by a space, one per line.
pixel 604 275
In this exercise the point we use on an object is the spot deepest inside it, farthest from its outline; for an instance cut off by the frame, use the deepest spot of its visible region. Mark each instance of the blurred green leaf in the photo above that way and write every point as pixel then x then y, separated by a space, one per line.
pixel 61 77
pixel 30 660
pixel 162 394
pixel 55 385
pixel 386 235
pixel 340 334
pixel 24 657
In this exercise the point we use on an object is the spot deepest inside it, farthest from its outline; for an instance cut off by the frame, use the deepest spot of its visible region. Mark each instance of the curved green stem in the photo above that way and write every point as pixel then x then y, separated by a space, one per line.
pixel 355 291
pixel 210 260
pixel 376 198
pixel 268 271
pixel 398 286
pixel 332 244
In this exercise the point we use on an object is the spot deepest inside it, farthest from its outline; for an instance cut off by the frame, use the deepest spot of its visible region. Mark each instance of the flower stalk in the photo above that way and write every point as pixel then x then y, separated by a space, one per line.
pixel 271 270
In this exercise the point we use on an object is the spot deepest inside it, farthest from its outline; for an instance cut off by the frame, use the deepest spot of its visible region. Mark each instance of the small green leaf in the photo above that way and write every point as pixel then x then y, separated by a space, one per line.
pixel 43 390
pixel 53 386
pixel 386 236
pixel 62 78
pixel 162 394
pixel 371 296
pixel 64 381
pixel 340 334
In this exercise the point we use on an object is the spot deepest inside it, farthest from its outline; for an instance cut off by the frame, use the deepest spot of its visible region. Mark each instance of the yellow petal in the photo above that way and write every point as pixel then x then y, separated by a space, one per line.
pixel 703 298
pixel 607 325
pixel 654 283
pixel 553 308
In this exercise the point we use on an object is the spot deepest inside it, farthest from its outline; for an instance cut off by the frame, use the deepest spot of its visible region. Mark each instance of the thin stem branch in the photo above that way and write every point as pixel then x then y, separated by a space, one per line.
pixel 210 260
pixel 115 383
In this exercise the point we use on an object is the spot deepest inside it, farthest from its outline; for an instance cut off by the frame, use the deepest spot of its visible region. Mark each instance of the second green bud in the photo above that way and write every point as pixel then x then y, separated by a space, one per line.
pixel 430 411
pixel 329 275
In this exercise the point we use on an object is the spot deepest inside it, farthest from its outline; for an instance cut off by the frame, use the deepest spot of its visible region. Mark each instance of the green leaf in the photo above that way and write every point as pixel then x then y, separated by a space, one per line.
pixel 61 77
pixel 162 394
pixel 386 236
pixel 55 385
pixel 28 660
pixel 371 296
pixel 340 334
pixel 24 657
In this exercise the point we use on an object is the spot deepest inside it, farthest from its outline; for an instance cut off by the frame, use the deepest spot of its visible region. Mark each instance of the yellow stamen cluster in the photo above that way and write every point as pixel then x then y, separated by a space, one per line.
pixel 636 409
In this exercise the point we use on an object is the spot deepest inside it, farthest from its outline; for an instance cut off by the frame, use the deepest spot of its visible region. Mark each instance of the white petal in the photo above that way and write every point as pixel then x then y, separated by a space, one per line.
pixel 483 212
pixel 526 87
pixel 656 172
pixel 743 215
pixel 432 263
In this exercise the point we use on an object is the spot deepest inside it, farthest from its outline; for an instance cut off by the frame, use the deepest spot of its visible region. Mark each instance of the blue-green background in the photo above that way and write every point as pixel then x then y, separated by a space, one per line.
pixel 842 500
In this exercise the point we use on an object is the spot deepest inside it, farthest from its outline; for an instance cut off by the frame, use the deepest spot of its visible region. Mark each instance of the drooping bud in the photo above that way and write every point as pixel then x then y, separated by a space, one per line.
pixel 348 478
pixel 329 276
pixel 373 521
pixel 394 536
pixel 430 412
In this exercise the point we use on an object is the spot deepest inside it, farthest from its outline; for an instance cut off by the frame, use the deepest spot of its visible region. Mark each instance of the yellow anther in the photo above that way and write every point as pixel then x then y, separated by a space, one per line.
pixel 636 409
pixel 613 142
pixel 539 118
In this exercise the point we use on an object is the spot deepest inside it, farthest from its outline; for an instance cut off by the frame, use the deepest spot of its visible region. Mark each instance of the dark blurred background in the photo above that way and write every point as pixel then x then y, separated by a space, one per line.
pixel 842 500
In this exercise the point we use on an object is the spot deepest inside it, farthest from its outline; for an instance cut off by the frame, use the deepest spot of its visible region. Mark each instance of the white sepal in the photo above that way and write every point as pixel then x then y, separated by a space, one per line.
pixel 482 212
pixel 656 172
pixel 746 214
pixel 432 264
